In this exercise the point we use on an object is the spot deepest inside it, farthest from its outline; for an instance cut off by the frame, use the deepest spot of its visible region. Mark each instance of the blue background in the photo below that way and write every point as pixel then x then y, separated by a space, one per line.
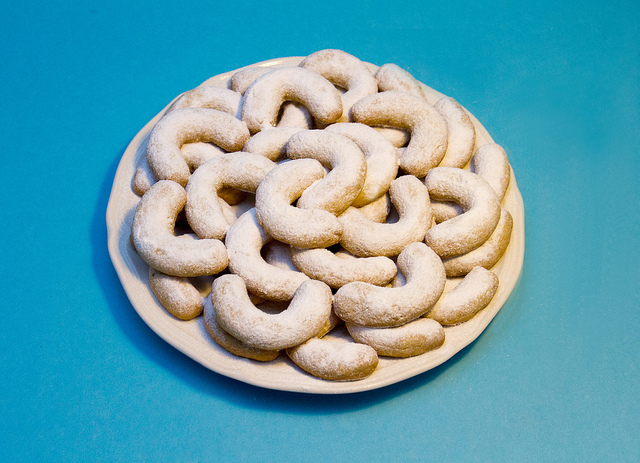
pixel 553 378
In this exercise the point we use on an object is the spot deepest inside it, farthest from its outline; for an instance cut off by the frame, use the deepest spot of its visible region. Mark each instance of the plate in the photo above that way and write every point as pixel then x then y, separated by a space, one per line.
pixel 191 337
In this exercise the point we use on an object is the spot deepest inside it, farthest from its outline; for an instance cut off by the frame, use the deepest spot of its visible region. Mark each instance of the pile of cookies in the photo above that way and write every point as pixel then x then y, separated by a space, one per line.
pixel 306 197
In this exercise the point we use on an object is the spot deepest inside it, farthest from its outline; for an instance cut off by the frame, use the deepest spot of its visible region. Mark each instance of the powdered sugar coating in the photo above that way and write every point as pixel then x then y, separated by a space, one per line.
pixel 176 294
pixel 239 170
pixel 305 228
pixel 405 110
pixel 265 96
pixel 365 238
pixel 490 162
pixel 413 338
pixel 397 137
pixel 462 134
pixel 345 71
pixel 341 268
pixel 381 160
pixel 369 305
pixel 278 254
pixel 195 154
pixel 335 361
pixel 240 81
pixel 143 179
pixel 346 164
pixel 294 114
pixel 270 142
pixel 479 202
pixel 244 241
pixel 445 210
pixel 153 236
pixel 472 294
pixel 222 99
pixel 377 210
pixel 190 125
pixel 486 255
pixel 225 340
pixel 305 316
pixel 392 77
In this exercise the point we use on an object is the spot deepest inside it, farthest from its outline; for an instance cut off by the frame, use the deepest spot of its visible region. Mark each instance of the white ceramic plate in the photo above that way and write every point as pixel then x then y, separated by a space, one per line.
pixel 191 337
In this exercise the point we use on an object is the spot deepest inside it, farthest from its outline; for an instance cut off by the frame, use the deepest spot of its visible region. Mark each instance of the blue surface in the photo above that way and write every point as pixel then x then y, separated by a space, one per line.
pixel 553 378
